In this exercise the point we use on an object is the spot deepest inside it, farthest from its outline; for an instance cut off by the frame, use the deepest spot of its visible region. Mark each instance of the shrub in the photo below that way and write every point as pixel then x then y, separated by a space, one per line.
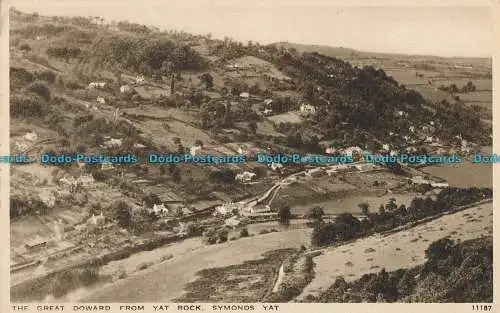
pixel 244 232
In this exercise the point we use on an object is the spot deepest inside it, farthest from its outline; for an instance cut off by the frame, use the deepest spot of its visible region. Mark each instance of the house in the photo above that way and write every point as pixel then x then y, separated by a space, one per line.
pixel 97 85
pixel 159 209
pixel 386 147
pixel 101 100
pixel 21 146
pixel 125 88
pixel 31 136
pixel 139 79
pixel 243 150
pixel 105 166
pixel 86 180
pixel 276 166
pixel 228 208
pixel 48 198
pixel 330 150
pixel 233 221
pixel 245 176
pixel 268 102
pixel 307 108
pixel 245 95
pixel 267 112
pixel 439 185
pixel 139 146
pixel 194 149
pixel 429 139
pixel 402 113
pixel 97 220
pixel 393 152
pixel 412 129
pixel 35 243
pixel 113 142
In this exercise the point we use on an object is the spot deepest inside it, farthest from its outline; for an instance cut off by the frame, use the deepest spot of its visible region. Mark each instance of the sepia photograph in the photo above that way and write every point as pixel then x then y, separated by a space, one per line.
pixel 249 153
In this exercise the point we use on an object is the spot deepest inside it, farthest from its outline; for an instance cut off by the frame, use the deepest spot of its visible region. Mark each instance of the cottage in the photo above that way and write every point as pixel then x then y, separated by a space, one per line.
pixel 105 166
pixel 245 95
pixel 268 102
pixel 125 88
pixel 21 146
pixel 386 147
pixel 243 150
pixel 330 150
pixel 97 85
pixel 276 166
pixel 412 129
pixel 194 149
pixel 307 108
pixel 429 139
pixel 245 176
pixel 267 112
pixel 233 221
pixel 85 180
pixel 31 136
pixel 36 243
pixel 101 100
pixel 96 220
pixel 439 185
pixel 159 209
pixel 139 79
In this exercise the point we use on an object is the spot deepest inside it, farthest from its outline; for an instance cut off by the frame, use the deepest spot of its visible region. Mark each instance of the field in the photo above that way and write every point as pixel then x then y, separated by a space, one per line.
pixel 398 250
pixel 465 174
pixel 176 273
pixel 289 117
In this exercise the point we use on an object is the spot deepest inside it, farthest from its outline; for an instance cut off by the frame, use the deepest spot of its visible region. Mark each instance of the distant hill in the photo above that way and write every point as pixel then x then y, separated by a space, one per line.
pixel 341 52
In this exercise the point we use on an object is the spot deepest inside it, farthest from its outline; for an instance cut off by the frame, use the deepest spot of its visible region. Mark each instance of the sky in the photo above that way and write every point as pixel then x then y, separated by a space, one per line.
pixel 445 30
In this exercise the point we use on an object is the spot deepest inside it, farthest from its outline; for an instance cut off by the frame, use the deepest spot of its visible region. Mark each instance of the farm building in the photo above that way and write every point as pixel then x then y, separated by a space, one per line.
pixel 31 136
pixel 97 85
pixel 36 243
pixel 233 221
pixel 194 149
pixel 245 176
pixel 307 108
pixel 125 88
pixel 159 209
pixel 245 95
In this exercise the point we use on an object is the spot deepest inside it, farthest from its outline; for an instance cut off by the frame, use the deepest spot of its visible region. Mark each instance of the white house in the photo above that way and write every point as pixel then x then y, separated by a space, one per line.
pixel 227 208
pixel 412 129
pixel 245 95
pixel 125 88
pixel 307 108
pixel 97 85
pixel 97 220
pixel 245 176
pixel 232 221
pixel 107 166
pixel 386 147
pixel 439 185
pixel 48 198
pixel 268 102
pixel 113 142
pixel 194 149
pixel 101 100
pixel 159 209
pixel 243 150
pixel 276 166
pixel 330 150
pixel 139 79
pixel 267 112
pixel 31 136
pixel 21 146
pixel 85 179
pixel 429 139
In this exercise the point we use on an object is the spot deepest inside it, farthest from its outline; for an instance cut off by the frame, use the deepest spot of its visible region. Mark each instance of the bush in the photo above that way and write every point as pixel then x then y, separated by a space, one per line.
pixel 25 47
pixel 222 235
pixel 264 231
pixel 244 232
pixel 40 89
pixel 28 105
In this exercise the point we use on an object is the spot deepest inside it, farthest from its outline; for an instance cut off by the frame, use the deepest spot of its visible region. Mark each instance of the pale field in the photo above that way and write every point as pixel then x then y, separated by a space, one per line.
pixel 481 84
pixel 403 249
pixel 477 96
pixel 165 281
pixel 289 117
pixel 466 174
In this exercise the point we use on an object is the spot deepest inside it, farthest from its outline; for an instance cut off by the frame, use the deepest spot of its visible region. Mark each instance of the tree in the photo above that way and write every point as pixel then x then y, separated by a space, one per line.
pixel 208 80
pixel 347 226
pixel 364 208
pixel 323 234
pixel 391 205
pixel 316 213
pixel 222 235
pixel 244 232
pixel 176 175
pixel 284 215
pixel 123 214
pixel 40 89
